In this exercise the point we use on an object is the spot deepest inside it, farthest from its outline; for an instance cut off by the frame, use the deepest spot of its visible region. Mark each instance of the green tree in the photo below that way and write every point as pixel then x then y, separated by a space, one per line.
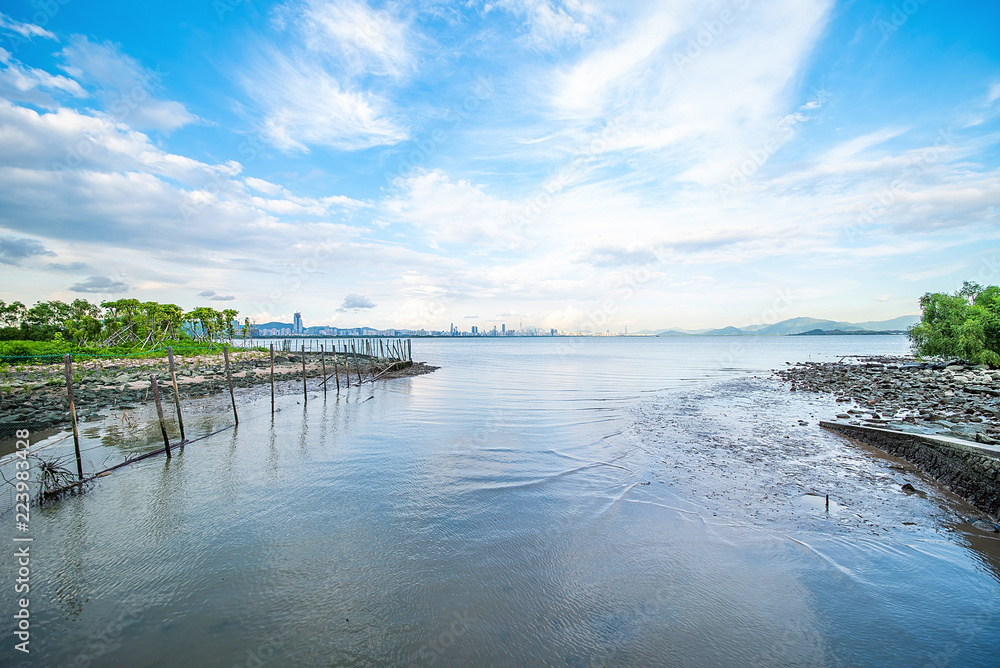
pixel 965 324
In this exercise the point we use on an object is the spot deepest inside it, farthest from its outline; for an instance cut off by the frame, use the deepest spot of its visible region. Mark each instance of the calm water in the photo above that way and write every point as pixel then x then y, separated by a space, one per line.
pixel 535 502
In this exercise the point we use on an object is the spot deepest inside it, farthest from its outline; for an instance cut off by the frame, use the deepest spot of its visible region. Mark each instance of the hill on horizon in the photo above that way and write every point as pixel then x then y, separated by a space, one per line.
pixel 797 326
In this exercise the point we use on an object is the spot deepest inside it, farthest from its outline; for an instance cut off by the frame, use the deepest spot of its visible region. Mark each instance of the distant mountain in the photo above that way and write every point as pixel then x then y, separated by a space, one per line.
pixel 728 331
pixel 902 322
pixel 840 332
pixel 799 325
pixel 803 325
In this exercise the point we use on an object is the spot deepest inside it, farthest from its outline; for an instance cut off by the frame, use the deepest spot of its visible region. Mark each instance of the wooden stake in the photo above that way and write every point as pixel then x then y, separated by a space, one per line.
pixel 322 359
pixel 159 412
pixel 357 367
pixel 272 380
pixel 68 368
pixel 177 397
pixel 336 372
pixel 305 393
pixel 409 350
pixel 229 379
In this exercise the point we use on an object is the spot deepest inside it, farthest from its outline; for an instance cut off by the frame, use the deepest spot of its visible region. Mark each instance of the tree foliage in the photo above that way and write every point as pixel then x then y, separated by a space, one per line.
pixel 965 324
pixel 121 323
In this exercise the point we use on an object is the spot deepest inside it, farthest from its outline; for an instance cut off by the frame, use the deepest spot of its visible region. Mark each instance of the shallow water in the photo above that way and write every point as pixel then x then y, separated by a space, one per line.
pixel 563 502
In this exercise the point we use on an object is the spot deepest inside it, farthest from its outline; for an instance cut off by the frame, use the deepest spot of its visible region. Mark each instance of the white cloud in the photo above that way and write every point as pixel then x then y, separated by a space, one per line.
pixel 994 93
pixel 453 211
pixel 100 285
pixel 21 82
pixel 551 23
pixel 126 87
pixel 27 30
pixel 303 105
pixel 353 302
pixel 363 39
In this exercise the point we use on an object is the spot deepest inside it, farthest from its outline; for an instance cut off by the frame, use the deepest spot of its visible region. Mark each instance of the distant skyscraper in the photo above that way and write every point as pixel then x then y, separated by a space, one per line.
pixel 475 330
pixel 503 329
pixel 297 325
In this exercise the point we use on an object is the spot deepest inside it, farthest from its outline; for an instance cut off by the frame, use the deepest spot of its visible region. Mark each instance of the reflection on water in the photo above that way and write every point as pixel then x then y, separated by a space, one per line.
pixel 534 502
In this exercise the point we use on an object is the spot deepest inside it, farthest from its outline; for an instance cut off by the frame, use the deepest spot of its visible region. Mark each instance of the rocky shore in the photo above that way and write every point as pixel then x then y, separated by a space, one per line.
pixel 900 393
pixel 34 396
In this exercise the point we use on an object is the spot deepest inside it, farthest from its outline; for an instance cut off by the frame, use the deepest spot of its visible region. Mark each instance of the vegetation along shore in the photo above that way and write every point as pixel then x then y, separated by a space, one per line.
pixel 116 346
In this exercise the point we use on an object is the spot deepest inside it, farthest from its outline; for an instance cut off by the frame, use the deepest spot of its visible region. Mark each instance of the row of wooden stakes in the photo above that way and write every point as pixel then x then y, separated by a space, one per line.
pixel 398 351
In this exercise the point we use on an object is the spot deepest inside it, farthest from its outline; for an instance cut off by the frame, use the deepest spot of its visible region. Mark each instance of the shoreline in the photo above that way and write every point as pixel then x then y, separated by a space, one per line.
pixel 34 396
pixel 943 419
pixel 900 393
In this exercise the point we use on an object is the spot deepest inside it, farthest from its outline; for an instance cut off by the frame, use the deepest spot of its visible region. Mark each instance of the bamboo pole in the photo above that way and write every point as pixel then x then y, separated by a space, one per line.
pixel 159 412
pixel 272 380
pixel 305 392
pixel 322 359
pixel 336 372
pixel 347 366
pixel 229 379
pixel 68 369
pixel 357 367
pixel 177 396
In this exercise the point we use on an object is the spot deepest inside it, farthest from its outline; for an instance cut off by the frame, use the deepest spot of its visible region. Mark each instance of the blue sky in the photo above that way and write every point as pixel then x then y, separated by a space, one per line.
pixel 574 164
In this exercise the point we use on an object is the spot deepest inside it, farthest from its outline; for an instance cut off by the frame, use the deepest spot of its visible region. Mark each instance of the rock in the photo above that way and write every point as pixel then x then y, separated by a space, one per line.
pixel 986 440
pixel 908 488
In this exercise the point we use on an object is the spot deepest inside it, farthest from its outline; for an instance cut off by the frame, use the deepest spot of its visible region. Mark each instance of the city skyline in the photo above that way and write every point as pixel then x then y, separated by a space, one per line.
pixel 572 164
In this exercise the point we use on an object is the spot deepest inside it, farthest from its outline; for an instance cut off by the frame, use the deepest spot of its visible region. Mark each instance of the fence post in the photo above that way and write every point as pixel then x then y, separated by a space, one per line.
pixel 322 359
pixel 305 392
pixel 68 368
pixel 357 367
pixel 177 397
pixel 229 379
pixel 159 413
pixel 336 371
pixel 272 380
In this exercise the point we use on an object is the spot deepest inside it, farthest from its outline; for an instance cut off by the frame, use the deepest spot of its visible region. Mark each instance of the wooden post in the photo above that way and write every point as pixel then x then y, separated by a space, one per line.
pixel 322 359
pixel 336 372
pixel 68 368
pixel 409 350
pixel 347 366
pixel 305 392
pixel 177 397
pixel 159 412
pixel 381 349
pixel 272 380
pixel 229 378
pixel 357 367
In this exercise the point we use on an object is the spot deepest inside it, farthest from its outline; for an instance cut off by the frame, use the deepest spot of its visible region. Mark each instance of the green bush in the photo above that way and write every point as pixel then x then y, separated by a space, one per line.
pixel 49 352
pixel 965 324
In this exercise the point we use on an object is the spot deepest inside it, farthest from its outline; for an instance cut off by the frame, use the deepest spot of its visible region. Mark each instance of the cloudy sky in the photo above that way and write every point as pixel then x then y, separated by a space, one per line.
pixel 579 164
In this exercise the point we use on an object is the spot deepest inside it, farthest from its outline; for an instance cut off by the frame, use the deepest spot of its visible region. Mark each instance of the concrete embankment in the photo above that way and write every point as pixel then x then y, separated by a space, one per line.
pixel 970 470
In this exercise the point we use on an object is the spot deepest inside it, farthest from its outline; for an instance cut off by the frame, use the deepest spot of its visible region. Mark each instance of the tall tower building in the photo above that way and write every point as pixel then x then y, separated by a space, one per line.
pixel 297 324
